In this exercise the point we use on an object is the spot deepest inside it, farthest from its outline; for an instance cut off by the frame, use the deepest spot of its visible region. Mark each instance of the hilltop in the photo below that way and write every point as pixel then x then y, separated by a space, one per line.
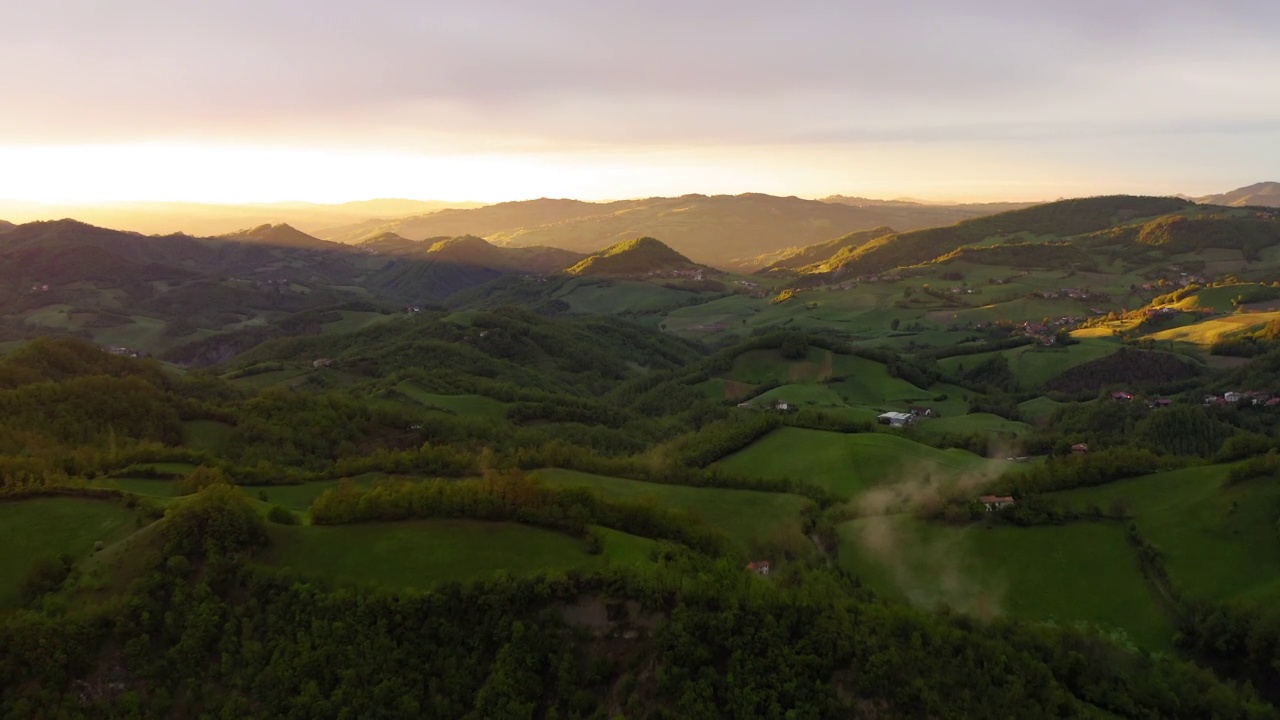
pixel 282 235
pixel 634 258
pixel 1266 194
pixel 6 226
pixel 726 231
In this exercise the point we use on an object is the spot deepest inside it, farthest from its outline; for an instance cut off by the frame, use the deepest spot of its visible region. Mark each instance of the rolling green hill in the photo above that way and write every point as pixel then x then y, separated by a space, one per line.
pixel 633 258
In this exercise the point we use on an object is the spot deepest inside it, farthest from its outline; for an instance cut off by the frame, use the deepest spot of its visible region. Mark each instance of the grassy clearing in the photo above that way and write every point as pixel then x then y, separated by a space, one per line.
pixel 1079 573
pixel 977 422
pixel 423 553
pixel 1207 332
pixel 50 527
pixel 744 515
pixel 852 464
pixel 618 296
pixel 462 405
pixel 1219 542
pixel 1039 408
pixel 355 320
pixel 1033 366
pixel 206 434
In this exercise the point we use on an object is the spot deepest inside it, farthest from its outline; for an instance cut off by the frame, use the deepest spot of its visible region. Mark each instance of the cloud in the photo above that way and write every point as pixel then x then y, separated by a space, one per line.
pixel 564 74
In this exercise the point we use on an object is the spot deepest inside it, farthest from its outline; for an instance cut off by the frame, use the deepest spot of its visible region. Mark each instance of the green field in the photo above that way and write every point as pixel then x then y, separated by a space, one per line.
pixel 1033 365
pixel 420 554
pixel 462 405
pixel 1207 332
pixel 50 527
pixel 977 422
pixel 1218 542
pixel 616 296
pixel 206 434
pixel 1079 573
pixel 852 464
pixel 745 516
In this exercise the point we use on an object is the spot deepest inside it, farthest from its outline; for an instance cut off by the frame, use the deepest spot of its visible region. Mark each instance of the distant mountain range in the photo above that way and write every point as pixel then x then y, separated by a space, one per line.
pixel 727 231
pixel 1263 194
pixel 204 219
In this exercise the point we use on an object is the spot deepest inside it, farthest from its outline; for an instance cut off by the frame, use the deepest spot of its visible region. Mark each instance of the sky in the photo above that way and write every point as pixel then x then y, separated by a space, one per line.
pixel 490 100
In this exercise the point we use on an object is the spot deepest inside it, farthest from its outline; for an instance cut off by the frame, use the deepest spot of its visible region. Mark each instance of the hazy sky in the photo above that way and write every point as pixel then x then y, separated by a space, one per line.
pixel 499 99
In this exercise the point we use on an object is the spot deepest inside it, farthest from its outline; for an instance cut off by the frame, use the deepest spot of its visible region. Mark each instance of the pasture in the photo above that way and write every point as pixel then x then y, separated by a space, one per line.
pixel 461 405
pixel 1079 573
pixel 50 527
pixel 743 515
pixel 421 554
pixel 1218 541
pixel 849 465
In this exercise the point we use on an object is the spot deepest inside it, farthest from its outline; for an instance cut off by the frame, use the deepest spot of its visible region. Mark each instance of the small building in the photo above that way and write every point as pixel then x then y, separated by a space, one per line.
pixel 895 419
pixel 1232 397
pixel 922 412
pixel 781 405
pixel 1122 396
pixel 746 404
pixel 759 567
pixel 1080 449
pixel 321 363
pixel 996 502
pixel 1163 402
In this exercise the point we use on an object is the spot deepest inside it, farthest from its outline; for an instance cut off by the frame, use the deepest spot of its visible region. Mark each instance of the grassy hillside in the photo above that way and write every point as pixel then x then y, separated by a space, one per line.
pixel 1080 573
pixel 1218 541
pixel 638 257
pixel 850 465
pixel 752 519
pixel 427 553
pixel 1052 220
pixel 796 258
pixel 48 527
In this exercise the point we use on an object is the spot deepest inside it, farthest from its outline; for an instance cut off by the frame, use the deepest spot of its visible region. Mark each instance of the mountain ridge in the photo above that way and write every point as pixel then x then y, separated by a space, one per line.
pixel 726 231
pixel 1265 194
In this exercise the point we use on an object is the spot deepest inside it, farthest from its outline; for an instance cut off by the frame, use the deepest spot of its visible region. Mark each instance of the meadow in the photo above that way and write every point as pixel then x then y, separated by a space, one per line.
pixel 421 554
pixel 1078 573
pixel 746 516
pixel 1218 541
pixel 852 464
pixel 49 527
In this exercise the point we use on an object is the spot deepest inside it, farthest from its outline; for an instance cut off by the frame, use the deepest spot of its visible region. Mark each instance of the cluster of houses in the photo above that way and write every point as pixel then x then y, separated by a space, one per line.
pixel 753 288
pixel 776 405
pixel 1155 402
pixel 124 351
pixel 1255 397
pixel 994 503
pixel 1183 280
pixel 1070 292
pixel 902 419
pixel 1045 333
pixel 688 274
